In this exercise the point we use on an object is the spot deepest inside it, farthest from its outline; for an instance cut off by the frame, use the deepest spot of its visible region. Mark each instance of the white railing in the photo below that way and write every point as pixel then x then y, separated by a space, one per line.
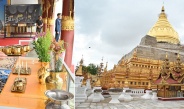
pixel 137 91
pixel 70 83
pixel 70 75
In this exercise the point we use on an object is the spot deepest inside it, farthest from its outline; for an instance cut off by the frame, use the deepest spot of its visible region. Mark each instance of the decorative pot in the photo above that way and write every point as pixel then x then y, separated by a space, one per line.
pixel 42 72
pixel 57 99
pixel 54 81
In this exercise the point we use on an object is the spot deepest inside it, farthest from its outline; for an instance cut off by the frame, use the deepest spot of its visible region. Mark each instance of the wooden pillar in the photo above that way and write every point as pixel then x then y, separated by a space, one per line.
pixel 8 25
pixel 44 13
pixel 67 31
pixel 164 91
pixel 48 7
pixel 50 18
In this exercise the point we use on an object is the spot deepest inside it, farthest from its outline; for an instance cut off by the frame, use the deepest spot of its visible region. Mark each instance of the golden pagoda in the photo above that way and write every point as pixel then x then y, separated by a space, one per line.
pixel 147 58
pixel 163 31
pixel 79 70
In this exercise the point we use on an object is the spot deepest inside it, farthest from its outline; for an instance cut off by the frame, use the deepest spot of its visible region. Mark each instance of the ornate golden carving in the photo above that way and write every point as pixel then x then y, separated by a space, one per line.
pixel 50 21
pixel 44 20
pixel 67 23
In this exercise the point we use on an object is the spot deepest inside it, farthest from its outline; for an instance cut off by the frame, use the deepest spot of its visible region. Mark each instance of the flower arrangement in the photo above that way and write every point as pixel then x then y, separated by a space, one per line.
pixel 42 42
pixel 48 50
pixel 57 48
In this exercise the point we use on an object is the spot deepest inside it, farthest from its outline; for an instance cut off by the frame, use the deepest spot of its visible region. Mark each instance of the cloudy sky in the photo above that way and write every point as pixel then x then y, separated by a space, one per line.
pixel 112 28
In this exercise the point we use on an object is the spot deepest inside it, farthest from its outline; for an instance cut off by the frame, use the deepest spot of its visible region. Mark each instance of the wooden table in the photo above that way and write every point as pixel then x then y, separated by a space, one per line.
pixel 33 97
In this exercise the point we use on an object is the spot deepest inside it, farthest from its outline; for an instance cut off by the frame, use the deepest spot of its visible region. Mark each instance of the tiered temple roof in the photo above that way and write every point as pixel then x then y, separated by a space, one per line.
pixel 170 76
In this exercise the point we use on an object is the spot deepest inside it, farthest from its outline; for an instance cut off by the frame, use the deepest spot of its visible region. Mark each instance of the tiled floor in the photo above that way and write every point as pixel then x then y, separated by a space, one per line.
pixel 137 103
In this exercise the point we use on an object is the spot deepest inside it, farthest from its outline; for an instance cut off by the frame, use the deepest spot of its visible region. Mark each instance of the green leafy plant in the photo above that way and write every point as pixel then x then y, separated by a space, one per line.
pixel 42 42
pixel 92 69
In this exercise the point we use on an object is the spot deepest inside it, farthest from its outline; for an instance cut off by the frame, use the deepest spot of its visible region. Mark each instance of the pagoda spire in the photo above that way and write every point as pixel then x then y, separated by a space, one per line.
pixel 105 69
pixel 177 72
pixel 166 76
pixel 178 67
pixel 165 71
pixel 79 71
pixel 163 30
pixel 163 9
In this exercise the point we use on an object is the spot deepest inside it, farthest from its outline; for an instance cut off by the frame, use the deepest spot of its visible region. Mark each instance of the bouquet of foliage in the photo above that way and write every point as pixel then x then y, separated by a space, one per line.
pixel 42 42
pixel 57 48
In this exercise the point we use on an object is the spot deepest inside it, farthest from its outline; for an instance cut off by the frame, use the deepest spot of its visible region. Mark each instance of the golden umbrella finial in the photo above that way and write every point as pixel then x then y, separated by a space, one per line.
pixel 106 66
pixel 178 55
pixel 163 7
pixel 81 61
pixel 166 55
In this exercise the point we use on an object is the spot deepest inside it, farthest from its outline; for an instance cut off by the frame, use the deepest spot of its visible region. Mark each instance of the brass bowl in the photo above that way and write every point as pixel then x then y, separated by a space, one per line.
pixel 17 51
pixel 1 49
pixel 12 49
pixel 23 49
pixel 27 48
pixel 7 50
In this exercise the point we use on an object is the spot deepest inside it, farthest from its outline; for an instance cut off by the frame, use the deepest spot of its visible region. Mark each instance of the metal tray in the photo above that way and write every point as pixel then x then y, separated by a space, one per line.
pixel 22 71
pixel 14 88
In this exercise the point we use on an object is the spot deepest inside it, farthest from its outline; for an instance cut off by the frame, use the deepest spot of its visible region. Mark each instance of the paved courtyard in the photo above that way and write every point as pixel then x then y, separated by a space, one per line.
pixel 137 103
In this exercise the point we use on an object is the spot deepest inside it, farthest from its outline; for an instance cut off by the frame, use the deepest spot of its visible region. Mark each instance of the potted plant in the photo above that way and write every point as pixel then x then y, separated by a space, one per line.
pixel 41 44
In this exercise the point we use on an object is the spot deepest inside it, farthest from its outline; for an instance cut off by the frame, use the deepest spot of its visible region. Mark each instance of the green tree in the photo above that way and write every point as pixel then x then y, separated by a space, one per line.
pixel 84 69
pixel 92 69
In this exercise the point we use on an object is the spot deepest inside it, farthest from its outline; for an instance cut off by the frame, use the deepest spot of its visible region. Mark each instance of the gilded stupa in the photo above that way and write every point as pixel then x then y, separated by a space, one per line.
pixel 163 30
pixel 148 56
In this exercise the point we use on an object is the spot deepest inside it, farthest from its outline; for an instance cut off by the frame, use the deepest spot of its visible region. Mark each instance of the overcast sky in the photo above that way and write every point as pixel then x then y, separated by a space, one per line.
pixel 112 28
